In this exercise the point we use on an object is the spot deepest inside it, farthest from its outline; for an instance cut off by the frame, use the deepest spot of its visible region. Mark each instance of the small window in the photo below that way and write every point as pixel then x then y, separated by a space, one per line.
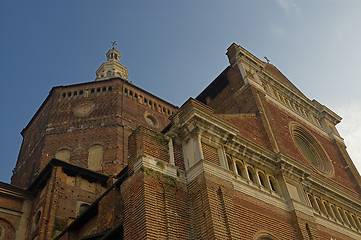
pixel 321 206
pixel 262 179
pixel 110 88
pixel 312 201
pixel 81 92
pixel 83 207
pixel 136 95
pixel 337 214
pixel 95 158
pixel 131 93
pixel 104 89
pixel 251 174
pixel 145 100
pixel 151 120
pixel 64 95
pixel 75 93
pixel 273 184
pixel 63 154
pixel 115 56
pixel 109 73
pixel 69 94
pixel 230 163
pixel 240 169
pixel 126 90
pixel 37 218
pixel 92 90
pixel 98 89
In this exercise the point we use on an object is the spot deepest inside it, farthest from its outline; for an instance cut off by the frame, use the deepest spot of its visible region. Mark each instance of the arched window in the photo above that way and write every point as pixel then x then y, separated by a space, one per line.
pixel 329 210
pixel 356 222
pixel 37 218
pixel 321 206
pixel 95 158
pixel 230 163
pixel 344 218
pixel 313 202
pixel 337 214
pixel 350 220
pixel 262 179
pixel 63 154
pixel 273 184
pixel 83 207
pixel 251 174
pixel 240 169
pixel 265 236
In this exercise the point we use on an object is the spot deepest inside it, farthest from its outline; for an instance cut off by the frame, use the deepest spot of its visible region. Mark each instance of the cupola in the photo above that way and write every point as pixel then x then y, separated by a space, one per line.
pixel 112 68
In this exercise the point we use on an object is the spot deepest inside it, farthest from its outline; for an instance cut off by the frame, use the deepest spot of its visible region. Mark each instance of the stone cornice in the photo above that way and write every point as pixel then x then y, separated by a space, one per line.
pixel 337 227
pixel 193 118
pixel 14 192
pixel 332 190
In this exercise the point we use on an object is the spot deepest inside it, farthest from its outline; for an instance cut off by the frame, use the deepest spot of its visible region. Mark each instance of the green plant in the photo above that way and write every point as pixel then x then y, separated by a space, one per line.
pixel 160 137
pixel 160 164
pixel 148 171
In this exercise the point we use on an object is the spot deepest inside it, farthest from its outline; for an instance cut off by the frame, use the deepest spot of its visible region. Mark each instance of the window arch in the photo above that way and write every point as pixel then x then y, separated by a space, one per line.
pixel 264 236
pixel 329 210
pixel 83 207
pixel 251 174
pixel 337 214
pixel 95 157
pixel 313 202
pixel 262 179
pixel 230 162
pixel 321 206
pixel 274 184
pixel 37 218
pixel 311 150
pixel 63 154
pixel 240 169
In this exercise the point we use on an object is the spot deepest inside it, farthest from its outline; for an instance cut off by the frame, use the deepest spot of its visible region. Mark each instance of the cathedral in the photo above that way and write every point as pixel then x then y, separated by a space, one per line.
pixel 251 157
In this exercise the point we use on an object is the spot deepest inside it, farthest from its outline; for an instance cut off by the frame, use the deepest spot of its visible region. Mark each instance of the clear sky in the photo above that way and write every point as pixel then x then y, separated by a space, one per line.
pixel 174 49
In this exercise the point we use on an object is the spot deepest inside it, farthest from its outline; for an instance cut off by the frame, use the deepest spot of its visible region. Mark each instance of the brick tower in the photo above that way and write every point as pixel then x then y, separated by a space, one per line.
pixel 85 126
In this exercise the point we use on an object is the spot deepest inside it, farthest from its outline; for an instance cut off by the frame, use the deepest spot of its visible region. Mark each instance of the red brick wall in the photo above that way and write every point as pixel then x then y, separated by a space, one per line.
pixel 254 216
pixel 210 153
pixel 30 151
pixel 281 122
pixel 103 125
pixel 178 155
pixel 8 230
pixel 249 127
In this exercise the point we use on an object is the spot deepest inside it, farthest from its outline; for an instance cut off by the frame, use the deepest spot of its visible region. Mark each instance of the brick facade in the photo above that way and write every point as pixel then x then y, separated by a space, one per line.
pixel 108 160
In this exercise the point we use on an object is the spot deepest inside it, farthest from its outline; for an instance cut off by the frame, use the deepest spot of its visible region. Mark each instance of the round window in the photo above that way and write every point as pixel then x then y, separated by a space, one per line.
pixel 151 120
pixel 311 150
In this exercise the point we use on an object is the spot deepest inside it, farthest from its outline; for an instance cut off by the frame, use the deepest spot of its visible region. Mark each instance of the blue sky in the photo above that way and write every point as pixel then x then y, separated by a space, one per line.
pixel 174 49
